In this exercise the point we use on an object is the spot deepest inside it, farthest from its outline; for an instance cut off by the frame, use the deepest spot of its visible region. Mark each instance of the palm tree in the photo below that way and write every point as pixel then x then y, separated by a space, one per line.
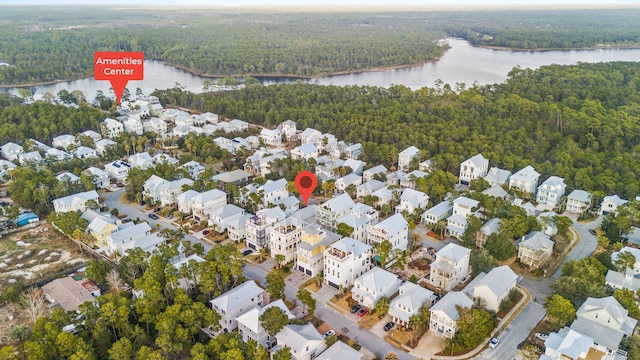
pixel 279 260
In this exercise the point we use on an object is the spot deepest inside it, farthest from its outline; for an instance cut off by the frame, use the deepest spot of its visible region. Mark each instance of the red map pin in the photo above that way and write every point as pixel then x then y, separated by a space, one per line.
pixel 306 182
pixel 118 68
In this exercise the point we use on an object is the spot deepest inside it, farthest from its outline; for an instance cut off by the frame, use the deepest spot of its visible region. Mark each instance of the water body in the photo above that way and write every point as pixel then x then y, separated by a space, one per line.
pixel 463 63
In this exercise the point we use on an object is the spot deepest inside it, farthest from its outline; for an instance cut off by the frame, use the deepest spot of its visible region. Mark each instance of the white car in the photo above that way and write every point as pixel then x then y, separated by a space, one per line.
pixel 494 342
pixel 329 333
pixel 541 336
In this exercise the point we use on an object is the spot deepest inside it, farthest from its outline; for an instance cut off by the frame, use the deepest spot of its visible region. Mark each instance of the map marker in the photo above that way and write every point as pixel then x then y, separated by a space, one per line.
pixel 118 68
pixel 306 182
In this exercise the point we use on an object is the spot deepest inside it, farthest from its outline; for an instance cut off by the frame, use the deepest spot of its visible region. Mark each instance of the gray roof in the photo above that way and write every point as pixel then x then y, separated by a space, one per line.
pixel 442 208
pixel 478 160
pixel 537 240
pixel 410 151
pixel 377 170
pixel 339 203
pixel 615 199
pixel 497 175
pixel 340 351
pixel 297 337
pixel 498 280
pixel 208 196
pixel 393 224
pixel 491 227
pixel 411 297
pixel 496 191
pixel 527 173
pixel 596 310
pixel 130 233
pixel 453 252
pixel 448 304
pixel 580 195
pixel 622 280
pixel 307 149
pixel 237 296
pixel 350 245
pixel 465 201
pixel 270 186
pixel 377 279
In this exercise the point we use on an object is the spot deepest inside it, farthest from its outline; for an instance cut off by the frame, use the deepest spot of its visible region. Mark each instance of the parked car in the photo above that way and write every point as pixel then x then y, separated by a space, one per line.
pixel 329 333
pixel 206 232
pixel 246 252
pixel 153 216
pixel 494 342
pixel 388 326
pixel 170 216
pixel 127 220
pixel 157 209
pixel 592 232
pixel 143 203
pixel 355 308
pixel 363 312
pixel 541 336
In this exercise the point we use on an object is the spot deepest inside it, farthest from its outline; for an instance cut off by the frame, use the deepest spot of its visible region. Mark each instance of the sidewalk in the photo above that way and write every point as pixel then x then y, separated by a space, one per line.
pixel 515 311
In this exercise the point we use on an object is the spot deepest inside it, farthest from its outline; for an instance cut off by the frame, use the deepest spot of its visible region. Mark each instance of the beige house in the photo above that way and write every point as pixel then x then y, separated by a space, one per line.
pixel 535 249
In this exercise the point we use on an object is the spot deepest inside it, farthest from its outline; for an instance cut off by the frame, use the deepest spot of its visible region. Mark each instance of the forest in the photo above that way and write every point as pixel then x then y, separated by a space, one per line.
pixel 578 122
pixel 50 44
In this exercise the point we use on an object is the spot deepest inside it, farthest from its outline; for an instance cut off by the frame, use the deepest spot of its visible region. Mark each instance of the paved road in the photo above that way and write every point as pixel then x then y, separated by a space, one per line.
pixel 587 245
pixel 112 200
pixel 515 333
pixel 329 315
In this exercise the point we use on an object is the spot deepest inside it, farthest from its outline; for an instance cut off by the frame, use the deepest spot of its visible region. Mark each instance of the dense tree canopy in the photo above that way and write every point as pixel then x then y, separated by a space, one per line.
pixel 577 122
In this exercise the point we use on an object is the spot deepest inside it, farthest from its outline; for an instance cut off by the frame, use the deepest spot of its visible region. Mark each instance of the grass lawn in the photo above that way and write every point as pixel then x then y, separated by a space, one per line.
pixel 313 286
pixel 369 320
pixel 398 336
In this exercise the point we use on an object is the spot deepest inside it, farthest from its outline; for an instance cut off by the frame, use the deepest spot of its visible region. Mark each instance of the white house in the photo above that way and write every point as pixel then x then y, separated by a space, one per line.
pixel 441 211
pixel 10 151
pixel 409 180
pixel 411 297
pixel 304 151
pixel 236 302
pixel 346 260
pixel 305 342
pixel 610 204
pixel 103 145
pixel 493 287
pixel 411 201
pixel 184 201
pixel 361 217
pixel 368 174
pixel 535 249
pixel 341 351
pixel 368 188
pixel 161 158
pixel 547 221
pixel 349 179
pixel 353 151
pixel 309 136
pixel 194 169
pixel 69 177
pixel 525 179
pixel 551 192
pixel 578 201
pixel 30 158
pixel 604 320
pixel 155 125
pixel 496 176
pixel 271 137
pixel 326 143
pixel 170 190
pixel 331 210
pixel 221 217
pixel 373 285
pixel 51 155
pixel 250 326
pixel 258 227
pixel 151 188
pixel 274 191
pixel 406 156
pixel 284 237
pixel 84 152
pixel 75 202
pixel 568 344
pixel 111 128
pixel 356 165
pixel 118 170
pixel 133 125
pixel 237 125
pixel 64 141
pixel 451 266
pixel 444 315
pixel 5 167
pixel 289 129
pixel 474 167
pixel 466 207
pixel 394 229
pixel 141 160
pixel 236 227
pixel 203 204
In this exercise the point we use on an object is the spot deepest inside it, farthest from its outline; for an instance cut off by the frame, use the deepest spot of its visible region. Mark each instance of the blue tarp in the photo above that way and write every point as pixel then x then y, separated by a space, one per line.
pixel 24 219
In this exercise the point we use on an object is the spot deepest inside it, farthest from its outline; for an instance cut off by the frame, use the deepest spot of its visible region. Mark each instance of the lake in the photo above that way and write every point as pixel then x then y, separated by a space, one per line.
pixel 463 63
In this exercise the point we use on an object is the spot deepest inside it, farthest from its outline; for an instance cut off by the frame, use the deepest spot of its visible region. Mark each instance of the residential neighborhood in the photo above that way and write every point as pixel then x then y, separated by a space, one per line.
pixel 389 264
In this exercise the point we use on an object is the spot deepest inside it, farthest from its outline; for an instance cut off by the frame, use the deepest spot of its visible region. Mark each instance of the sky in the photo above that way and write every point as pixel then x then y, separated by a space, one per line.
pixel 325 3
